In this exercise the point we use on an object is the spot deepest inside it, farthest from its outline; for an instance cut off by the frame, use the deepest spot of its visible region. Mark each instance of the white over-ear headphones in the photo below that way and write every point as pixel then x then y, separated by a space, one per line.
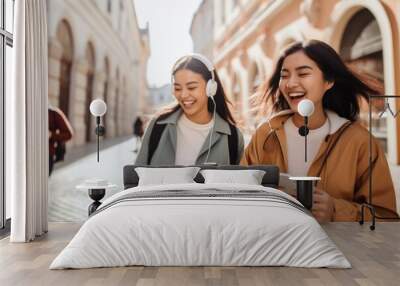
pixel 212 85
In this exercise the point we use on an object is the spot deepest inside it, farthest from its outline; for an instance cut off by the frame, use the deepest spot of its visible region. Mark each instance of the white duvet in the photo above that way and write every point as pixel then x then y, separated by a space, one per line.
pixel 200 231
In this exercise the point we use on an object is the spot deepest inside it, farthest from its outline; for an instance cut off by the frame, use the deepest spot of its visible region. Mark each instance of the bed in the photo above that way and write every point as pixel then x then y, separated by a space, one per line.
pixel 201 224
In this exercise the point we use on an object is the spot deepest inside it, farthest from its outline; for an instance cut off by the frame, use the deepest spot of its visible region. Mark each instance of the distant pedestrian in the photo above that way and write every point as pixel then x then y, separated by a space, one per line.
pixel 60 131
pixel 138 132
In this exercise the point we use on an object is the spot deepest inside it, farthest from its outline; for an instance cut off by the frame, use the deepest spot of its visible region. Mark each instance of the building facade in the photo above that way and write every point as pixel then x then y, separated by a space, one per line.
pixel 97 50
pixel 249 35
pixel 160 97
pixel 202 29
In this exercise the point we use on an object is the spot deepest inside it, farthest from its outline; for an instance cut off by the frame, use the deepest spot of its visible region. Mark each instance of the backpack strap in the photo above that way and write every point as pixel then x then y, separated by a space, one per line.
pixel 233 145
pixel 155 136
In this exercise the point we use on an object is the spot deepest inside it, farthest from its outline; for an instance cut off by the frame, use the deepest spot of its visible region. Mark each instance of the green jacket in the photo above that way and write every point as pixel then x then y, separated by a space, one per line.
pixel 165 152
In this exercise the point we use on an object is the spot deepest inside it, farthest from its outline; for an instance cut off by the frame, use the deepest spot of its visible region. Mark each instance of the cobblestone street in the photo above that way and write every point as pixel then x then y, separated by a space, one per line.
pixel 66 202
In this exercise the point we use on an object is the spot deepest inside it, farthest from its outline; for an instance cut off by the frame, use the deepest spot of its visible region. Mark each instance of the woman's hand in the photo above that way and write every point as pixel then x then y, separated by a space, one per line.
pixel 323 206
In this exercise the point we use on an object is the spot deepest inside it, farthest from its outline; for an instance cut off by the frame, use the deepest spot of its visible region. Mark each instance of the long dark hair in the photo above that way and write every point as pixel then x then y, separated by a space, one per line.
pixel 341 98
pixel 221 101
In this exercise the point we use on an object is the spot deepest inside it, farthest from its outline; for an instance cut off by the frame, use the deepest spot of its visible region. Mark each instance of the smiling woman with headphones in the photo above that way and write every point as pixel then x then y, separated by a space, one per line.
pixel 200 128
pixel 338 144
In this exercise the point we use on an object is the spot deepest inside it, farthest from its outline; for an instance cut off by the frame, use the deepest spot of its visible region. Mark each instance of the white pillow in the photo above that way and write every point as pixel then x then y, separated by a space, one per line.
pixel 162 176
pixel 248 177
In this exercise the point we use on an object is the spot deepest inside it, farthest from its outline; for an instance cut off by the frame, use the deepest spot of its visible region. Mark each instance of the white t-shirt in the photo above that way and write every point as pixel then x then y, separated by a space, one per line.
pixel 190 137
pixel 295 146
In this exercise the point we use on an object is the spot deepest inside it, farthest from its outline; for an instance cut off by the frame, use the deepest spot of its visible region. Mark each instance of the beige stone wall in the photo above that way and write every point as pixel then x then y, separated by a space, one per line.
pixel 114 35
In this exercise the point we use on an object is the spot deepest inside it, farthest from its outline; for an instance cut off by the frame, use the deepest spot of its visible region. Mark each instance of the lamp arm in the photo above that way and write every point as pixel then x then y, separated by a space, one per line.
pixel 98 137
pixel 305 137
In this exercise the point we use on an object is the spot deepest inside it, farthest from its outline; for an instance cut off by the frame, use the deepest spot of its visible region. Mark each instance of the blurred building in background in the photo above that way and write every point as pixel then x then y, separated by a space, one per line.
pixel 159 97
pixel 249 35
pixel 97 50
pixel 202 29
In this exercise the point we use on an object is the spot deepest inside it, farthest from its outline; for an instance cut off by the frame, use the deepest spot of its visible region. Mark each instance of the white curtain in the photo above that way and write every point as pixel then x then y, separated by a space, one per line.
pixel 26 119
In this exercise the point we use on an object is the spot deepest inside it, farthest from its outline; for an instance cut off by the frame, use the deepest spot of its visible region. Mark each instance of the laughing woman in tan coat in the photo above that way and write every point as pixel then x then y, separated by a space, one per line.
pixel 337 143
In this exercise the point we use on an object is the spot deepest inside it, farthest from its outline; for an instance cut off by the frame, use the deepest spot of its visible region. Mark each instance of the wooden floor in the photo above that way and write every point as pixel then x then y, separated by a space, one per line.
pixel 374 255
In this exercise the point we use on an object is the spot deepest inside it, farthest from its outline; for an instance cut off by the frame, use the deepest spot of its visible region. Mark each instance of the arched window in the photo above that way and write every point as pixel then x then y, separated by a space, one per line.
pixel 361 48
pixel 90 59
pixel 64 36
pixel 105 90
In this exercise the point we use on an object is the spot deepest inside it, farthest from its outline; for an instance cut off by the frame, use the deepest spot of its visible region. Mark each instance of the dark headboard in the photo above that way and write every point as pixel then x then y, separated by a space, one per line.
pixel 270 179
